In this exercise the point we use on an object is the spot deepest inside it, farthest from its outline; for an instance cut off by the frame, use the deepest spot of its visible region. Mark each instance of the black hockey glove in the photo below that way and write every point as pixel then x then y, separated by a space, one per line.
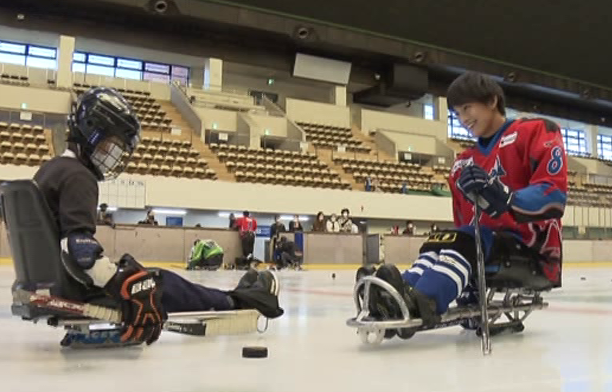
pixel 495 197
pixel 140 299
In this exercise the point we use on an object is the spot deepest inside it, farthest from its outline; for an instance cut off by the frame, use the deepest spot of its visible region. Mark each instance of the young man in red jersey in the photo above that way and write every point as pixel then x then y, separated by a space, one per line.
pixel 518 169
pixel 247 228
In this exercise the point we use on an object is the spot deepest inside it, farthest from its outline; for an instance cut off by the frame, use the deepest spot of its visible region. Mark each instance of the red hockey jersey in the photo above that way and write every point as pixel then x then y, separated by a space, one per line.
pixel 245 224
pixel 528 156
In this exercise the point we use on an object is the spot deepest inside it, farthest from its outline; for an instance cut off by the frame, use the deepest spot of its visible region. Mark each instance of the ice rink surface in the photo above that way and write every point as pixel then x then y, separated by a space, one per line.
pixel 567 347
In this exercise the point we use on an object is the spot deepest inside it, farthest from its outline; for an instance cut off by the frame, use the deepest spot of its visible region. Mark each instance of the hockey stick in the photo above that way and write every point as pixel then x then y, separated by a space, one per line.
pixel 210 323
pixel 482 285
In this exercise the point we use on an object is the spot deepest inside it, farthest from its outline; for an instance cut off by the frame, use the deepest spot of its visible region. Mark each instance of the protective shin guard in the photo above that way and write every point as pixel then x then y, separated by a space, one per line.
pixel 425 261
pixel 445 280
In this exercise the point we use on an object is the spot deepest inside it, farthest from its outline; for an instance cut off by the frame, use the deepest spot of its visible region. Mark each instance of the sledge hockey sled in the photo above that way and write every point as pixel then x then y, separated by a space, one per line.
pixel 513 288
pixel 43 289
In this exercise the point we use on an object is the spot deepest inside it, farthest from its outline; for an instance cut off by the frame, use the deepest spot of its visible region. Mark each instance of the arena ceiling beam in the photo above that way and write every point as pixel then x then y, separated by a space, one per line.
pixel 270 39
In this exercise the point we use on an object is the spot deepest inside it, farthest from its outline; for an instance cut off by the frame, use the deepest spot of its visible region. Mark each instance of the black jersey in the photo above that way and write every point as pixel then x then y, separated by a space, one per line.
pixel 71 191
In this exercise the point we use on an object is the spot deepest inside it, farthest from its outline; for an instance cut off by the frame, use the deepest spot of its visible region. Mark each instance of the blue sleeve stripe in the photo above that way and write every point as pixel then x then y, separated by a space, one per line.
pixel 532 200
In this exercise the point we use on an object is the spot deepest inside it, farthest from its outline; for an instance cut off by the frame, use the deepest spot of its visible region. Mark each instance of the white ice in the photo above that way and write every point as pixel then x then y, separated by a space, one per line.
pixel 567 347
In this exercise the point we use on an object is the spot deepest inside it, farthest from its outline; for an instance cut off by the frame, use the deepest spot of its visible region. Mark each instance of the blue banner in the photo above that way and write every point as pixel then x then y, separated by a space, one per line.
pixel 263 231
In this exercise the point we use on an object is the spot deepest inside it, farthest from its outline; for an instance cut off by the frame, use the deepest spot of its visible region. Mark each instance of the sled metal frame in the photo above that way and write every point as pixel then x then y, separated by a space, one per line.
pixel 516 304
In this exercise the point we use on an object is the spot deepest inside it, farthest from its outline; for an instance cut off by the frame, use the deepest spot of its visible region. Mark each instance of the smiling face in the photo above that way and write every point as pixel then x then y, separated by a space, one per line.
pixel 481 120
pixel 479 102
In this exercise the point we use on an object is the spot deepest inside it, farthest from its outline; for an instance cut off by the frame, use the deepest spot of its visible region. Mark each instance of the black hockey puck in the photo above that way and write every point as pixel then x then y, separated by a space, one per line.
pixel 333 276
pixel 582 278
pixel 254 352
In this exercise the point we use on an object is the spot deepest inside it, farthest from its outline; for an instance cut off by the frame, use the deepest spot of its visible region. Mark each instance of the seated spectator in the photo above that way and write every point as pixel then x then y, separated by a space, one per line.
pixel 149 220
pixel 286 255
pixel 433 228
pixel 332 225
pixel 205 254
pixel 368 184
pixel 105 217
pixel 232 221
pixel 319 223
pixel 376 185
pixel 409 230
pixel 295 224
pixel 345 222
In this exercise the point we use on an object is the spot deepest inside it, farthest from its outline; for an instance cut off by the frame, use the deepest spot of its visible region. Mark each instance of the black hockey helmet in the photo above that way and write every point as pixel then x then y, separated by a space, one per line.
pixel 105 130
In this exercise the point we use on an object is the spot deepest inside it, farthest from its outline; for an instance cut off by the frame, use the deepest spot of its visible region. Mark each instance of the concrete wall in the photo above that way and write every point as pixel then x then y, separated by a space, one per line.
pixel 35 99
pixel 318 113
pixel 594 166
pixel 229 196
pixel 326 248
pixel 410 142
pixel 372 120
pixel 270 125
pixel 225 120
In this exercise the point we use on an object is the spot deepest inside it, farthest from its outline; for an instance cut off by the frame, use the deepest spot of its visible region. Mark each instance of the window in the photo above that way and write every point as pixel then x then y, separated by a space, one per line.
pixel 128 68
pixel 574 140
pixel 39 51
pixel 455 130
pixel 40 62
pixel 27 55
pixel 180 71
pixel 158 68
pixel 100 70
pixel 131 64
pixel 102 60
pixel 428 112
pixel 78 57
pixel 604 146
pixel 155 77
pixel 12 48
pixel 78 67
pixel 12 58
pixel 128 74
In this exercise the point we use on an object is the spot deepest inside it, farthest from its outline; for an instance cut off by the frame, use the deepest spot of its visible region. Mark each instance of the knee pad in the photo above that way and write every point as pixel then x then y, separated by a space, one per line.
pixel 457 240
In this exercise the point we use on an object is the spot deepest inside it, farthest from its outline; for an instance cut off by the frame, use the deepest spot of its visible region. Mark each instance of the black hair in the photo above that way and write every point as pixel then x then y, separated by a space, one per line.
pixel 246 214
pixel 320 213
pixel 345 210
pixel 408 222
pixel 475 87
pixel 103 205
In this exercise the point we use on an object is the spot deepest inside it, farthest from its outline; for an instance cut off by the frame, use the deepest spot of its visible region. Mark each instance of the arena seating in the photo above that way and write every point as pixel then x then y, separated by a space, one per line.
pixel 23 144
pixel 149 112
pixel 14 74
pixel 464 143
pixel 327 136
pixel 279 167
pixel 391 175
pixel 169 157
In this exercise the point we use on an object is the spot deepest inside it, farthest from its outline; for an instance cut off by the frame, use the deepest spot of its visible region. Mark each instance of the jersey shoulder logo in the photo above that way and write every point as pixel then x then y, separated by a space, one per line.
pixel 508 139
pixel 498 169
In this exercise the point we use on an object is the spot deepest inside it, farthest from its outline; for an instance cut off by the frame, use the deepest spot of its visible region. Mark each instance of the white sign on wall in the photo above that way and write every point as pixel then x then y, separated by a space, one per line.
pixel 123 193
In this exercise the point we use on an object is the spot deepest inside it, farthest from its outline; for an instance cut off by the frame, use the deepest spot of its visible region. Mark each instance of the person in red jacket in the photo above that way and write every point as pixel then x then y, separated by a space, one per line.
pixel 247 227
pixel 518 170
